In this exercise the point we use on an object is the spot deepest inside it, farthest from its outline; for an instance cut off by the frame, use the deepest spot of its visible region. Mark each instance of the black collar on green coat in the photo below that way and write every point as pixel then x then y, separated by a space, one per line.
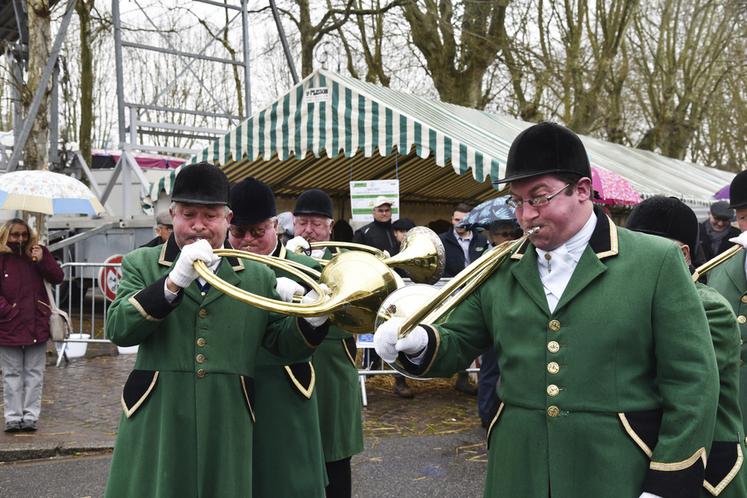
pixel 170 251
pixel 603 240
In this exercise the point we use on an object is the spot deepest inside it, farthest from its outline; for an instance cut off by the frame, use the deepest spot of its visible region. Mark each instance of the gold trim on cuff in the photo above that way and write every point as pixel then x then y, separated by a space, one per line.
pixel 435 349
pixel 139 307
pixel 682 465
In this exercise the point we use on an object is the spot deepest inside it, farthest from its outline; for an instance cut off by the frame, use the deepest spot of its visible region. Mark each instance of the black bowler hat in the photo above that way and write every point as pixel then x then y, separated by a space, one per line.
pixel 738 191
pixel 545 149
pixel 314 202
pixel 252 202
pixel 667 217
pixel 201 183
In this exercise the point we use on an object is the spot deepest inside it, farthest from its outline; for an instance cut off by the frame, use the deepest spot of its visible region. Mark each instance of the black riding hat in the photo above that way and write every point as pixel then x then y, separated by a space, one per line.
pixel 738 191
pixel 201 183
pixel 314 202
pixel 544 149
pixel 252 202
pixel 667 217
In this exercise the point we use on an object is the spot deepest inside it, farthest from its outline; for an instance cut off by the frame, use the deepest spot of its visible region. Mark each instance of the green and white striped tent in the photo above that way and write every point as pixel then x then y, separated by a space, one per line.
pixel 331 129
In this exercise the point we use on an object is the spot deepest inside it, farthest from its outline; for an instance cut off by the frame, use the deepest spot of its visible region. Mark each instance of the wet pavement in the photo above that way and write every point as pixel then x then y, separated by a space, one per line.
pixel 81 411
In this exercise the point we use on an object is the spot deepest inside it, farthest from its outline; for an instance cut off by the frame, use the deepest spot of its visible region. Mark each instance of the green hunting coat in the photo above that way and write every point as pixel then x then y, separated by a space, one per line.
pixel 339 393
pixel 611 394
pixel 725 475
pixel 188 415
pixel 729 280
pixel 288 458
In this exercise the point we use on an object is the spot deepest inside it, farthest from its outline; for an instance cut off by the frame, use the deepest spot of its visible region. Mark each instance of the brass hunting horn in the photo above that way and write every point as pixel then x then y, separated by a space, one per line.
pixel 422 254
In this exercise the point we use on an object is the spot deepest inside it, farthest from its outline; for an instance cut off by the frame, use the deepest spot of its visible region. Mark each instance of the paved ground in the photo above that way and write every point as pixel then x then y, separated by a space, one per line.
pixel 431 445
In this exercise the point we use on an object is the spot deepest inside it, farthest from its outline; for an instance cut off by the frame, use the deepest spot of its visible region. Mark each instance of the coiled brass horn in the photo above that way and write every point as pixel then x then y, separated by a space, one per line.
pixel 422 255
pixel 358 283
pixel 434 306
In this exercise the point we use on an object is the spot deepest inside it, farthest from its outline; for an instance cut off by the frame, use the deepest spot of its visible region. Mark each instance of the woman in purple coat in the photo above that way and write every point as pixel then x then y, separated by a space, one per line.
pixel 24 321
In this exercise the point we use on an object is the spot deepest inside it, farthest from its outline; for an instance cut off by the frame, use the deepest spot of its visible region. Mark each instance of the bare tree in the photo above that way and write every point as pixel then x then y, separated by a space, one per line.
pixel 36 150
pixel 83 8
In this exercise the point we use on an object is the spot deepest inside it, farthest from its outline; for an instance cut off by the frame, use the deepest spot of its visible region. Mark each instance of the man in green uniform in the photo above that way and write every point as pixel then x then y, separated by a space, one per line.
pixel 729 280
pixel 600 339
pixel 725 475
pixel 334 359
pixel 188 404
pixel 288 458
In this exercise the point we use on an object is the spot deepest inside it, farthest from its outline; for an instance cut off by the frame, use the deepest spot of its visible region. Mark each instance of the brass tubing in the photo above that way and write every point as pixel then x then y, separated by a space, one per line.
pixel 460 286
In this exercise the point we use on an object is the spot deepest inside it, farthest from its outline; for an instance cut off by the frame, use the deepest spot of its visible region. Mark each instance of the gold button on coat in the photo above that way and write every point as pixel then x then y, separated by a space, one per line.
pixel 203 312
pixel 200 358
pixel 201 373
pixel 553 367
pixel 553 390
pixel 553 411
pixel 553 346
pixel 741 319
pixel 201 341
pixel 554 325
pixel 744 299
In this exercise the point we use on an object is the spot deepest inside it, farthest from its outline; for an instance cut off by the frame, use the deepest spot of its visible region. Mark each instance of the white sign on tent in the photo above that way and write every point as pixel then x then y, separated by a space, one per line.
pixel 363 194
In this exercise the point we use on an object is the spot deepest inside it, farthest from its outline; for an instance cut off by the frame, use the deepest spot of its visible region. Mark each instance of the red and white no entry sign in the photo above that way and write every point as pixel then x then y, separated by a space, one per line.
pixel 109 277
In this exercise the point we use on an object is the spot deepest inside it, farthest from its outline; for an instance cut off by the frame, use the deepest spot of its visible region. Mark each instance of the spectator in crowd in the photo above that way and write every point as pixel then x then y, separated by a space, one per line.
pixel 163 229
pixel 379 233
pixel 462 246
pixel 401 227
pixel 716 231
pixel 24 325
pixel 500 231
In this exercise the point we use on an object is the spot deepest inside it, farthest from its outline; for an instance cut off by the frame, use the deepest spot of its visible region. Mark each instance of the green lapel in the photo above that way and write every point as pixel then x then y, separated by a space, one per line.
pixel 735 270
pixel 526 273
pixel 589 267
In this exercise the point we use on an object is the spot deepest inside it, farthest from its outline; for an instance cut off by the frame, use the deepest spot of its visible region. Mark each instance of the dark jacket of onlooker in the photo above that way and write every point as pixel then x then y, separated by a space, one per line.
pixel 706 244
pixel 455 255
pixel 24 310
pixel 379 235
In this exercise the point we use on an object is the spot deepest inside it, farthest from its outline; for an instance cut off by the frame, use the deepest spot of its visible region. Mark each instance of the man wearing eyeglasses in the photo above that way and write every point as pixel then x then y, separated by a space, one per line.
pixel 289 460
pixel 609 385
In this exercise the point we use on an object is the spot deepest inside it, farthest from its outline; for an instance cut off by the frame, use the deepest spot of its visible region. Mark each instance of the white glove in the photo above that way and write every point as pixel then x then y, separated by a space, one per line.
pixel 183 273
pixel 287 288
pixel 310 297
pixel 388 344
pixel 650 495
pixel 741 239
pixel 293 244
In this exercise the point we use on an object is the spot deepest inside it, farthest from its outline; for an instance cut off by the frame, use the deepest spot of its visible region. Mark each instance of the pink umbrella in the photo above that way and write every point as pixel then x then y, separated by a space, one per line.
pixel 612 188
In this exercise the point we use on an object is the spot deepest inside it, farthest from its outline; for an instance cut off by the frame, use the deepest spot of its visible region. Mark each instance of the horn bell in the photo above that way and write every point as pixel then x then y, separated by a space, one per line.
pixel 422 256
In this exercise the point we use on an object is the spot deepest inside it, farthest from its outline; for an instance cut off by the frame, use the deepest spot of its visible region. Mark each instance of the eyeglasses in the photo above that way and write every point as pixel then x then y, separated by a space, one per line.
pixel 240 231
pixel 19 235
pixel 536 202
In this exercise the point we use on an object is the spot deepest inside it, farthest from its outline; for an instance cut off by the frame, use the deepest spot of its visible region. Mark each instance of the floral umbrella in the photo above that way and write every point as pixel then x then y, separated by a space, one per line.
pixel 42 191
pixel 487 212
pixel 612 188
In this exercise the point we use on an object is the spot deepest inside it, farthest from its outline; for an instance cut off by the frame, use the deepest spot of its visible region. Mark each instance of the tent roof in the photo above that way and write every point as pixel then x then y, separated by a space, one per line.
pixel 331 129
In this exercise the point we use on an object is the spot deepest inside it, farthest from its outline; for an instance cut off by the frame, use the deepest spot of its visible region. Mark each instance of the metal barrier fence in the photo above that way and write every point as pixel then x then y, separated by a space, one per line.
pixel 82 296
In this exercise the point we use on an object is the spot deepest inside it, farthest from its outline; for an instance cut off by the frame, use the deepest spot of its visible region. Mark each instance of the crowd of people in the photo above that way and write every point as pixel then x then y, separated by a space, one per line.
pixel 605 370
